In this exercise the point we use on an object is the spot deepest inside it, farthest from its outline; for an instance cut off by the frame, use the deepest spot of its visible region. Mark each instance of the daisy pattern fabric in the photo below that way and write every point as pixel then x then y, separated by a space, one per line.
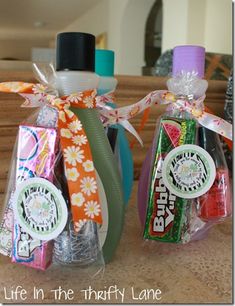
pixel 79 167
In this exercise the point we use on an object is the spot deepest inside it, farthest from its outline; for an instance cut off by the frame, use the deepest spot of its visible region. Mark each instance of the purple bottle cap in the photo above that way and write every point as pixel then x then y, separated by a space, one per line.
pixel 188 59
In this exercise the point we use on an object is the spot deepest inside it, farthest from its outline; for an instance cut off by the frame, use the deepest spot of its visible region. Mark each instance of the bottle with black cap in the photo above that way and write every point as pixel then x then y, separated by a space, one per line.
pixel 75 66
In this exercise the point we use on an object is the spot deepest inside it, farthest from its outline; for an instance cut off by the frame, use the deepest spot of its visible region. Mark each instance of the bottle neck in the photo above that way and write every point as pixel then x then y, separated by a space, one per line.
pixel 187 84
pixel 68 82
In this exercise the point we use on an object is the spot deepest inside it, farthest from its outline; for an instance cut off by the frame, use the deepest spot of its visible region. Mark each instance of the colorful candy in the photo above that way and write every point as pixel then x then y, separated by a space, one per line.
pixel 36 152
pixel 165 219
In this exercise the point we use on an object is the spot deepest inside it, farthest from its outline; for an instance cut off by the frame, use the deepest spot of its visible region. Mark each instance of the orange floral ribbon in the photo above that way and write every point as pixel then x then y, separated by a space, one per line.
pixel 79 167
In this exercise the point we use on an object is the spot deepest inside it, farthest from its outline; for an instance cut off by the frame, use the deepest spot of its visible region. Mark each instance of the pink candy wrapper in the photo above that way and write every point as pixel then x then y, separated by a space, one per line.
pixel 36 154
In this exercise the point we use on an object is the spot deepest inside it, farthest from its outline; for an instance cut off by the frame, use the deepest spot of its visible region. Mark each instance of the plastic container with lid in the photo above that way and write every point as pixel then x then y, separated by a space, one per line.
pixel 75 72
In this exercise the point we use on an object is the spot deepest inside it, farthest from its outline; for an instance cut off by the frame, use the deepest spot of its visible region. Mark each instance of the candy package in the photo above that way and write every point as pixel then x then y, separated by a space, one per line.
pixel 36 157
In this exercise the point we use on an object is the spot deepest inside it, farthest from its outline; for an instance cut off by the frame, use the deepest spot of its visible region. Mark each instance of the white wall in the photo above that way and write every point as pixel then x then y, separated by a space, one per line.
pixel 103 18
pixel 175 14
pixel 133 36
pixel 218 26
pixel 201 22
pixel 124 23
pixel 94 21
pixel 116 10
pixel 183 23
pixel 196 22
pixel 126 34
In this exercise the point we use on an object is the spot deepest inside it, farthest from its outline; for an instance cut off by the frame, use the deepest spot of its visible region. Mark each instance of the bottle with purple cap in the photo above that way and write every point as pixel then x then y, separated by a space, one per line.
pixel 164 215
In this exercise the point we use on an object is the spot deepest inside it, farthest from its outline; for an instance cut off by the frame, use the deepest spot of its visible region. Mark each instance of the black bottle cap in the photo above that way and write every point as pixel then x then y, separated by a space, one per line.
pixel 75 51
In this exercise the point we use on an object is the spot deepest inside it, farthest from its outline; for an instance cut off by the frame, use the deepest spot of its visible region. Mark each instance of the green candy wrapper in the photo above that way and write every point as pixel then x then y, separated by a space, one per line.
pixel 166 217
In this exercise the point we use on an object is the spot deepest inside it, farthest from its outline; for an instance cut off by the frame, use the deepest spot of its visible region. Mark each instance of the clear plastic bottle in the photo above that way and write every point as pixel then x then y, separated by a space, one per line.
pixel 75 64
pixel 189 60
pixel 193 61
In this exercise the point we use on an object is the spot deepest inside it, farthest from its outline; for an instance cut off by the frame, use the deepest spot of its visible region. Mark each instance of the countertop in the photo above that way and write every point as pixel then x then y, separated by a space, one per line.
pixel 199 272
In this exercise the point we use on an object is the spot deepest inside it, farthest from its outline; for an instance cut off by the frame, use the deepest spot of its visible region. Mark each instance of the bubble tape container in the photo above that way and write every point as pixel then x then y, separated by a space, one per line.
pixel 75 66
pixel 104 67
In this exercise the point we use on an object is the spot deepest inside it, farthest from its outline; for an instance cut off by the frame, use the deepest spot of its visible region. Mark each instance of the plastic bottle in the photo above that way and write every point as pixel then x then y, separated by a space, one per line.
pixel 75 65
pixel 193 60
pixel 188 65
pixel 104 67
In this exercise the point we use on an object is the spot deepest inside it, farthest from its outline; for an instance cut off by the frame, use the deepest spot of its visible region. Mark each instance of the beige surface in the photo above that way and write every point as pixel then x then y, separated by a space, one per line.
pixel 200 272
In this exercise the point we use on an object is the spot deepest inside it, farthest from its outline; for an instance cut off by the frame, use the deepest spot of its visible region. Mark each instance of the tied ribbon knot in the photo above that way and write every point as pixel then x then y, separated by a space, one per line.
pixel 194 107
pixel 78 161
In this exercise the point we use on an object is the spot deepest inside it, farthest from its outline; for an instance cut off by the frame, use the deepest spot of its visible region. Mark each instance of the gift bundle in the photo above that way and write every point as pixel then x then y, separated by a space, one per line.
pixel 64 202
pixel 184 187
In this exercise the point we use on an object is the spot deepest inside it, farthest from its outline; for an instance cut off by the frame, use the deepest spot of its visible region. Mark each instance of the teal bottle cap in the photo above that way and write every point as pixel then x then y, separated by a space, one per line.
pixel 104 62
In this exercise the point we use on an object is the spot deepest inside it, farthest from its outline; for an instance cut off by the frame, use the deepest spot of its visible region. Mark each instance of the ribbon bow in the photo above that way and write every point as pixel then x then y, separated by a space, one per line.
pixel 192 106
pixel 105 102
pixel 79 167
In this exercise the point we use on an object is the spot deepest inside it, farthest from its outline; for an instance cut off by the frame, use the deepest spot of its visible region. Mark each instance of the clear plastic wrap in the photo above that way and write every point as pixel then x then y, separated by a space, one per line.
pixel 37 154
pixel 70 248
pixel 168 217
pixel 122 152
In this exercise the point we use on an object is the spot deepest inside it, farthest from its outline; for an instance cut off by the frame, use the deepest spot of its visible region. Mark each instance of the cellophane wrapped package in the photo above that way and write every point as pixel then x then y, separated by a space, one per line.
pixel 37 227
pixel 184 187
